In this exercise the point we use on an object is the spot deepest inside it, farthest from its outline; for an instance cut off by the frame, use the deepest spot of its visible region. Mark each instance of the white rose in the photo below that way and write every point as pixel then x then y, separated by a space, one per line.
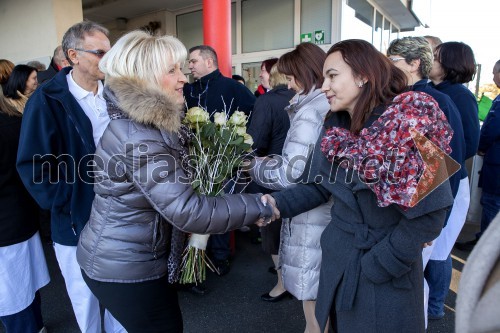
pixel 248 139
pixel 196 115
pixel 220 118
pixel 241 130
pixel 238 118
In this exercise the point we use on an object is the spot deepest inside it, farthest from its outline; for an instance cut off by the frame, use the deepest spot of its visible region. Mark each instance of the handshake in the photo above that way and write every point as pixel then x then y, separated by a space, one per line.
pixel 268 200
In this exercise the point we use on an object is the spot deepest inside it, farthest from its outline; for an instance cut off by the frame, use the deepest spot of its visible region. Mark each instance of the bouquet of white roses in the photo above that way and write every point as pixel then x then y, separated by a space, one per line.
pixel 216 150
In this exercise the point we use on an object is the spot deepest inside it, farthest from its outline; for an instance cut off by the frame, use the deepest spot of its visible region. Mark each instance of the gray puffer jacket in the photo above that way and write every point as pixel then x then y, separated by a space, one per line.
pixel 142 191
pixel 300 250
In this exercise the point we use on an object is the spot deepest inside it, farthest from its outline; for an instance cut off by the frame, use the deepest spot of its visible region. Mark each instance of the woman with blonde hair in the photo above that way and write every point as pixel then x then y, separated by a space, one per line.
pixel 131 247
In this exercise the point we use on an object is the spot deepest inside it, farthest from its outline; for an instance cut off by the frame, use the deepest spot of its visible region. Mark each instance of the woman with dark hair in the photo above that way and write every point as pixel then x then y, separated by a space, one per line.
pixel 454 65
pixel 265 71
pixel 21 84
pixel 371 277
pixel 299 250
pixel 23 266
pixel 414 56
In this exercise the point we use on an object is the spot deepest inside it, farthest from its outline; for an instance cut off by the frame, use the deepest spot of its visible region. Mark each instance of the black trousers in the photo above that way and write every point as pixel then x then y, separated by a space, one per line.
pixel 143 307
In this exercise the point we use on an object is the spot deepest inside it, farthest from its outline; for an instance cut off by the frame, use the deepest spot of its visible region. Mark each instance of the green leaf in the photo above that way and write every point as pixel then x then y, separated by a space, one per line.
pixel 208 130
pixel 237 141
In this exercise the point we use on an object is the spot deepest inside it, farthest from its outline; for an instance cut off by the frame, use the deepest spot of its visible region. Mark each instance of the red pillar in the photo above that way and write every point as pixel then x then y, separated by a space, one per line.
pixel 217 31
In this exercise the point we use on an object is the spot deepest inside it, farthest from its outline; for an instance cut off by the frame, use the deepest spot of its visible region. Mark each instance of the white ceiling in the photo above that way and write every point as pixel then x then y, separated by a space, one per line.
pixel 103 11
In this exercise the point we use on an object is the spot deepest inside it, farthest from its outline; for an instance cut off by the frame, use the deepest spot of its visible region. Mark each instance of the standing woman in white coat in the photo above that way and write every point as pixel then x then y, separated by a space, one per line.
pixel 300 251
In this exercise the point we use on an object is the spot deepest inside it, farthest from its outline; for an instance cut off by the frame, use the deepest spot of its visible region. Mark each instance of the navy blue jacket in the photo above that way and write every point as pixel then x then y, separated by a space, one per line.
pixel 489 144
pixel 467 106
pixel 457 143
pixel 269 122
pixel 214 90
pixel 55 157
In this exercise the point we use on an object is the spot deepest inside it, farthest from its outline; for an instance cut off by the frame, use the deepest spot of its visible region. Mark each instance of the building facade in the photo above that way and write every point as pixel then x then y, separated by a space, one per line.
pixel 260 29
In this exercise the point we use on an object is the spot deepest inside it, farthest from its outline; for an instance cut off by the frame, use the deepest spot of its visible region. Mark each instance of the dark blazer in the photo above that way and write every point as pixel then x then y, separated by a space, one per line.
pixel 18 210
pixel 372 257
pixel 268 126
pixel 489 144
pixel 48 74
pixel 269 122
pixel 55 155
pixel 216 93
pixel 467 106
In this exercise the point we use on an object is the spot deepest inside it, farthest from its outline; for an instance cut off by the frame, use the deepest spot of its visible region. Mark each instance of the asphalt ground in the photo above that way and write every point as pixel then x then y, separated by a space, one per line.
pixel 232 302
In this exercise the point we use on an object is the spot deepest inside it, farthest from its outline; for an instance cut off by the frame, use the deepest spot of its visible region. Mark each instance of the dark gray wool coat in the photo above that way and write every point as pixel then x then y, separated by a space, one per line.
pixel 371 276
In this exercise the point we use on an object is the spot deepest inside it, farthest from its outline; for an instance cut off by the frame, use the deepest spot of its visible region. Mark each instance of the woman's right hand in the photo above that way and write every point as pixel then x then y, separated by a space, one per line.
pixel 268 200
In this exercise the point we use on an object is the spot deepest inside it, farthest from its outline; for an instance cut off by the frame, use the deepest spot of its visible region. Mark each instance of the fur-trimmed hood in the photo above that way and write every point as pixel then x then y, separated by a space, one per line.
pixel 144 103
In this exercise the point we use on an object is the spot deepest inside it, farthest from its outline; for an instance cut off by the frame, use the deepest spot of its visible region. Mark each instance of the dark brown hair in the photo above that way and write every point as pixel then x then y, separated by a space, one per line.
pixel 457 61
pixel 383 80
pixel 268 64
pixel 305 63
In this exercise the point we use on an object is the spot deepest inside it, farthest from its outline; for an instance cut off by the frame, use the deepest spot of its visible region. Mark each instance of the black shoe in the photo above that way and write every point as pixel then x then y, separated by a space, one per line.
pixel 272 270
pixel 194 289
pixel 466 246
pixel 222 266
pixel 268 298
pixel 198 290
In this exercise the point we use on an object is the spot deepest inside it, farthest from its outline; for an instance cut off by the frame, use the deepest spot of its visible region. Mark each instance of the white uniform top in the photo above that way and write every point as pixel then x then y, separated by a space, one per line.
pixel 23 270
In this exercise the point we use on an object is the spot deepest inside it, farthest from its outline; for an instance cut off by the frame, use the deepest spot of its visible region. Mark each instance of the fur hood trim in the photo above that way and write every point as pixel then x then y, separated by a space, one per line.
pixel 146 104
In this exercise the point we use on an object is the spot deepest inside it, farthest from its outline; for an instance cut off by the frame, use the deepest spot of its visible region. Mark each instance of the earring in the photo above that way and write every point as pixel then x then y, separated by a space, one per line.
pixel 360 84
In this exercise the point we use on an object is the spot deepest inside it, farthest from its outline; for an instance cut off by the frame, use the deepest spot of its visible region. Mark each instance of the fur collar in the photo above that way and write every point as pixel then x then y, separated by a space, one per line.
pixel 145 103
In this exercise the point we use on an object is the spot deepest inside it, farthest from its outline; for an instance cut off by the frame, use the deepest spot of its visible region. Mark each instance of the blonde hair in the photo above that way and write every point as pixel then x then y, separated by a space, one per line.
pixel 276 78
pixel 140 55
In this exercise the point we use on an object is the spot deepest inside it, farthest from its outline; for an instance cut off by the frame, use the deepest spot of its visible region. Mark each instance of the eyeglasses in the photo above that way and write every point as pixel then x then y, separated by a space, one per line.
pixel 394 59
pixel 99 53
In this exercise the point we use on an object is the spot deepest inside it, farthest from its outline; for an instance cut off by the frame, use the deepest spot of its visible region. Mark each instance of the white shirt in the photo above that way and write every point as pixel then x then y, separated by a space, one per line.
pixel 94 106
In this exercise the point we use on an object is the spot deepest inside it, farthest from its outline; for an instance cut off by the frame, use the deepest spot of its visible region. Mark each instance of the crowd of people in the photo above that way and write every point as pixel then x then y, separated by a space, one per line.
pixel 346 181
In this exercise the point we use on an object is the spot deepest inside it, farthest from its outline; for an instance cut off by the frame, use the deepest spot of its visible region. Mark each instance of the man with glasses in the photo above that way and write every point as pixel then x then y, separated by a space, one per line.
pixel 62 124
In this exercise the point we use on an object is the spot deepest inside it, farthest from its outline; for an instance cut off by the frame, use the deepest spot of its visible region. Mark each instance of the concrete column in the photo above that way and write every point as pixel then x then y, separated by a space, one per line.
pixel 217 31
pixel 31 29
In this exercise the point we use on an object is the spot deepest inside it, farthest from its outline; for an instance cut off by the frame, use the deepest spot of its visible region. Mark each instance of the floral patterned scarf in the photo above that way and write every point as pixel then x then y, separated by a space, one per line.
pixel 394 136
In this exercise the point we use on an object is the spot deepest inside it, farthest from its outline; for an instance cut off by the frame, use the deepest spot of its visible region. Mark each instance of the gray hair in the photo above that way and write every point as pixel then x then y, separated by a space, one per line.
pixel 141 55
pixel 75 35
pixel 37 65
pixel 206 52
pixel 58 56
pixel 434 41
pixel 412 48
